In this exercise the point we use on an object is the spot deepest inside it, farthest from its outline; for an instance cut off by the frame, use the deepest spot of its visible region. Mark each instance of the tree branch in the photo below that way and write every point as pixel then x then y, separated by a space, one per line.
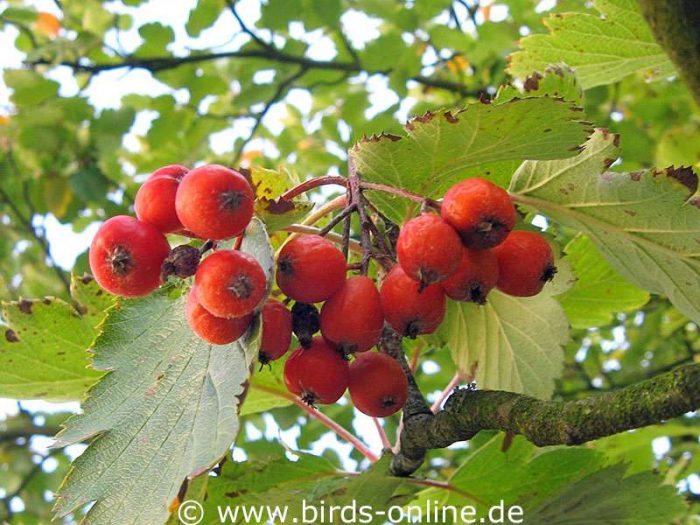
pixel 676 27
pixel 156 64
pixel 548 422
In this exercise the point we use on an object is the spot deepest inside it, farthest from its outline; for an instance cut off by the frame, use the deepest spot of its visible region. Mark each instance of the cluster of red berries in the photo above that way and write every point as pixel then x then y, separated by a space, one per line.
pixel 463 253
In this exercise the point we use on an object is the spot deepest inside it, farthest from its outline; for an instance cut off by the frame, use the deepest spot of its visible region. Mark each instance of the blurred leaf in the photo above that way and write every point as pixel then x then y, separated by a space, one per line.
pixel 642 223
pixel 601 49
pixel 29 88
pixel 203 15
pixel 639 498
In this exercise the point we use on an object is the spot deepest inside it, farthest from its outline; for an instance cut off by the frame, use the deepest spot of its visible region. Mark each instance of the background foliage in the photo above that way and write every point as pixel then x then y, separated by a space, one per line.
pixel 106 91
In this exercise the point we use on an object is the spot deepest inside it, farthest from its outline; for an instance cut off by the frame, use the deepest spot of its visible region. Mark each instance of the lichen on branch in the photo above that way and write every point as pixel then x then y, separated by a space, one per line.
pixel 469 411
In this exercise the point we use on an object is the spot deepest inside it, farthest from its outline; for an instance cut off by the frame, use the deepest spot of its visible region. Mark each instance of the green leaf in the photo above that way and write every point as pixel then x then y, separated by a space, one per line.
pixel 29 88
pixel 514 343
pixel 609 495
pixel 166 411
pixel 276 484
pixel 643 223
pixel 600 291
pixel 43 351
pixel 439 147
pixel 557 81
pixel 156 38
pixel 267 389
pixel 602 49
pixel 203 15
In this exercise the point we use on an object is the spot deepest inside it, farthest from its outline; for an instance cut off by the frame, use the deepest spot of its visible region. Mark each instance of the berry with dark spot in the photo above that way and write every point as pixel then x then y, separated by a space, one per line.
pixel 230 283
pixel 481 212
pixel 214 202
pixel 214 330
pixel 310 269
pixel 525 263
pixel 182 262
pixel 305 322
pixel 352 319
pixel 155 200
pixel 410 308
pixel 126 255
pixel 475 277
pixel 276 331
pixel 426 249
pixel 378 386
pixel 318 374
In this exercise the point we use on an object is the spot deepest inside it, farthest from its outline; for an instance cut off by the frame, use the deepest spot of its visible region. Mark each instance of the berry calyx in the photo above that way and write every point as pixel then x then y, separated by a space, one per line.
pixel 475 277
pixel 276 331
pixel 481 212
pixel 305 322
pixel 310 269
pixel 410 308
pixel 181 262
pixel 214 330
pixel 378 386
pixel 318 374
pixel 426 248
pixel 230 283
pixel 525 262
pixel 126 255
pixel 214 202
pixel 155 200
pixel 352 319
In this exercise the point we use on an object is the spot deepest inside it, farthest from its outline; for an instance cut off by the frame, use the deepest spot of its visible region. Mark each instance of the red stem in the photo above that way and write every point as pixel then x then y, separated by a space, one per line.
pixel 314 183
pixel 400 193
pixel 334 426
pixel 382 434
pixel 456 379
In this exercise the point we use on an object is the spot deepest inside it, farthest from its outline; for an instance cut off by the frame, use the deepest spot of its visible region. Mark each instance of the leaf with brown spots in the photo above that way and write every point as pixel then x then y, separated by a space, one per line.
pixel 643 223
pixel 439 148
pixel 44 351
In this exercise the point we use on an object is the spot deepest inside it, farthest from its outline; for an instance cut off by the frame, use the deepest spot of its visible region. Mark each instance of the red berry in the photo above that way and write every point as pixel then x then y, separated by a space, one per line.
pixel 481 212
pixel 276 331
pixel 214 202
pixel 214 330
pixel 318 374
pixel 155 200
pixel 475 278
pixel 352 319
pixel 310 269
pixel 525 262
pixel 378 386
pixel 408 309
pixel 230 283
pixel 126 255
pixel 426 248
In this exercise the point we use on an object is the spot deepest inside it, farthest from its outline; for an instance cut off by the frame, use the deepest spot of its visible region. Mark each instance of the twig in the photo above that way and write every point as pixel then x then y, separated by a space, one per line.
pixel 415 197
pixel 247 30
pixel 354 246
pixel 311 184
pixel 356 200
pixel 456 379
pixel 337 219
pixel 382 434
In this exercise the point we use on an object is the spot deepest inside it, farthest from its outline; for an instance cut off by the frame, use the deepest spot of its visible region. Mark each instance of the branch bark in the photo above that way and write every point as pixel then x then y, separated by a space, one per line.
pixel 544 423
pixel 676 27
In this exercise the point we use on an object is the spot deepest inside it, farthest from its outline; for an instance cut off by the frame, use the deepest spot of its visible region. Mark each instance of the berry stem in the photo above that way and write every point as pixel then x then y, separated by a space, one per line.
pixel 382 434
pixel 325 420
pixel 415 197
pixel 456 380
pixel 334 237
pixel 356 200
pixel 339 430
pixel 314 183
pixel 337 219
pixel 329 207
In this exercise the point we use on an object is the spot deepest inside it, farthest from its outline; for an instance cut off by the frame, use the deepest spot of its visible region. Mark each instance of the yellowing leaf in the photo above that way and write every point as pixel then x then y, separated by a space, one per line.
pixel 47 24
